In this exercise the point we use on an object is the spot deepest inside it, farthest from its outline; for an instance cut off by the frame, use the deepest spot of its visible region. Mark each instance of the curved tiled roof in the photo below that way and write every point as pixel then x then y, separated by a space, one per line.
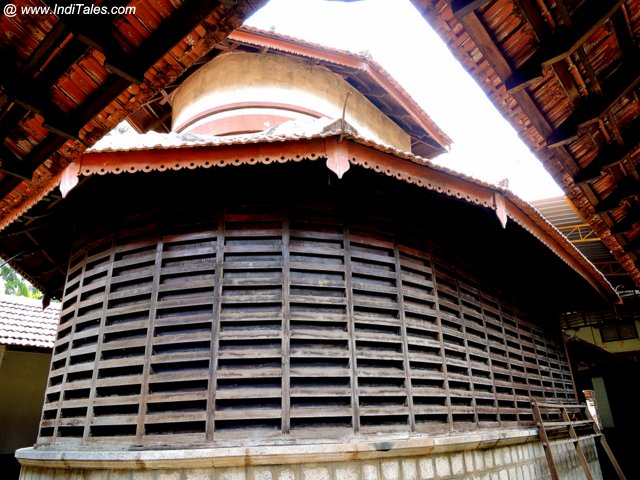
pixel 323 139
pixel 367 75
pixel 23 322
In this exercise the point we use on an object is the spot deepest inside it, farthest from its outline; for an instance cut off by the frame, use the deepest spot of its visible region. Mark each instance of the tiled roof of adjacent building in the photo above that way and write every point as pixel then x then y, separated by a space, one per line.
pixel 23 322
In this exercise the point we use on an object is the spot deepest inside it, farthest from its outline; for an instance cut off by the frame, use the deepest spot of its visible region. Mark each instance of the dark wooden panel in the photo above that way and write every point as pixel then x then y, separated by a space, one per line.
pixel 292 321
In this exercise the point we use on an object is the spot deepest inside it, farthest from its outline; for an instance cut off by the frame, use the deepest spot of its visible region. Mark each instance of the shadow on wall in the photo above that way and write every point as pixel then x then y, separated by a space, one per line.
pixel 23 376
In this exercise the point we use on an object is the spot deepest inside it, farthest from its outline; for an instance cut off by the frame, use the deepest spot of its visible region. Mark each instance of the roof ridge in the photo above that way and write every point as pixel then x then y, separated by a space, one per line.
pixel 21 300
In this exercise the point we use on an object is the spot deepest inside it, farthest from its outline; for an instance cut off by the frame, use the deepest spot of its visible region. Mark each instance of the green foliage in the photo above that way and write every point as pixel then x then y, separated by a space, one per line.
pixel 12 283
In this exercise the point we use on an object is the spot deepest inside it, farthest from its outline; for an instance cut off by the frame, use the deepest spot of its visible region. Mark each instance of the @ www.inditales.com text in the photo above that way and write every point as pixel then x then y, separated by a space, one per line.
pixel 13 10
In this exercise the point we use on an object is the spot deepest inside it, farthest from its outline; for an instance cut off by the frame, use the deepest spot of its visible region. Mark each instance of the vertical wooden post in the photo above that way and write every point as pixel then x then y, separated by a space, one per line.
pixel 286 330
pixel 403 332
pixel 215 328
pixel 537 417
pixel 351 327
pixel 576 443
pixel 605 446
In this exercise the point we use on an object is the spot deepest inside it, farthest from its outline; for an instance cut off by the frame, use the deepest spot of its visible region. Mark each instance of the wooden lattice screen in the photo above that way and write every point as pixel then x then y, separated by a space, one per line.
pixel 268 322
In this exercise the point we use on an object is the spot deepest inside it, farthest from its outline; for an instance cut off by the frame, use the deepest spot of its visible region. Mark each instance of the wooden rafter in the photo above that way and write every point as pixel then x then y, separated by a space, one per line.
pixel 563 42
pixel 183 21
pixel 461 8
pixel 620 22
pixel 600 80
pixel 633 245
pixel 618 84
pixel 542 30
pixel 11 164
pixel 627 187
pixel 611 154
pixel 632 217
pixel 31 160
pixel 96 31
pixel 32 96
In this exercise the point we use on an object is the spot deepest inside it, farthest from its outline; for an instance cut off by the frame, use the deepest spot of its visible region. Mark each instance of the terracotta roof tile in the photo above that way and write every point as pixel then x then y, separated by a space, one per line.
pixel 23 322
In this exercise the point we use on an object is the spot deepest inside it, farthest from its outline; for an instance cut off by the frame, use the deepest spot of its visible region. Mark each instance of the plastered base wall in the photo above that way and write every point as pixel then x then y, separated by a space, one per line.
pixel 23 377
pixel 520 461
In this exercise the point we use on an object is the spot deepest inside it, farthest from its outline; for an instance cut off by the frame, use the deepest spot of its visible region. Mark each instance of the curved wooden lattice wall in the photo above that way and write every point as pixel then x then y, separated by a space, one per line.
pixel 267 322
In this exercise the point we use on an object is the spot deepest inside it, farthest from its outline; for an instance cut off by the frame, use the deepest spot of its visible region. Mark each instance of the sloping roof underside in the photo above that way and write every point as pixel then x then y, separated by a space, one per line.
pixel 565 74
pixel 66 80
pixel 323 139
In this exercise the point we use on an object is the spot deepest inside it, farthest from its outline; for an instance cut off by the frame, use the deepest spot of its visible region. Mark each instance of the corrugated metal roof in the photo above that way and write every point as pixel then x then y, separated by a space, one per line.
pixel 562 215
pixel 24 323
pixel 558 211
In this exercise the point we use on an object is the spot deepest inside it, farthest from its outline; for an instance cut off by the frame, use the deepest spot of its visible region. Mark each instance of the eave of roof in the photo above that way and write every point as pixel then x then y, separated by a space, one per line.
pixel 341 147
pixel 502 44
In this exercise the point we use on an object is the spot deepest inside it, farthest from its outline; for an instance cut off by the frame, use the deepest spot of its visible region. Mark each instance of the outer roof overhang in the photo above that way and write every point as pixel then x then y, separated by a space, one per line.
pixel 67 80
pixel 340 149
pixel 566 75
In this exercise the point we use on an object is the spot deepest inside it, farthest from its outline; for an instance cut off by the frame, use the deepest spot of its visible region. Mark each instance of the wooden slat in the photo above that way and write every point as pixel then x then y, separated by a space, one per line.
pixel 351 328
pixel 261 331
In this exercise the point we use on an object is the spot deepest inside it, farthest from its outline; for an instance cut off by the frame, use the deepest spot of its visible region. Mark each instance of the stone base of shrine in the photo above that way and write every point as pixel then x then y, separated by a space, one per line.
pixel 503 455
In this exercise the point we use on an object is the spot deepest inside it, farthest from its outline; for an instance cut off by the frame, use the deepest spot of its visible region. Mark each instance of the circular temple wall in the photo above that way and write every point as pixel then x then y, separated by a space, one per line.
pixel 257 312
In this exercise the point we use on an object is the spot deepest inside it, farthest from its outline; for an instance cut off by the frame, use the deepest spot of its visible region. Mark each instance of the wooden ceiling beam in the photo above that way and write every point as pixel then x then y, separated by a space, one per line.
pixel 627 187
pixel 96 32
pixel 633 246
pixel 563 42
pixel 620 22
pixel 188 17
pixel 461 8
pixel 631 218
pixel 54 119
pixel 14 166
pixel 32 96
pixel 44 50
pixel 10 119
pixel 611 154
pixel 542 30
pixel 594 83
pixel 618 84
pixel 62 62
pixel 474 26
pixel 32 160
pixel 54 69
pixel 170 32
